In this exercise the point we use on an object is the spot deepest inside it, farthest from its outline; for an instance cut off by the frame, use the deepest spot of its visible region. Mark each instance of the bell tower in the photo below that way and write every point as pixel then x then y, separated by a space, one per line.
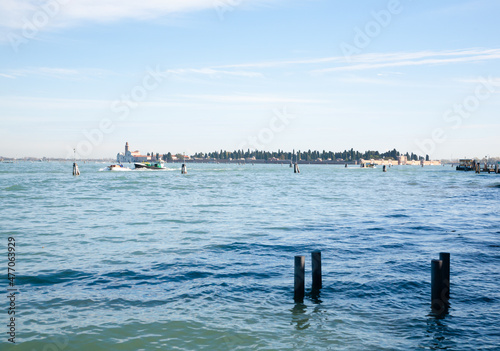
pixel 126 148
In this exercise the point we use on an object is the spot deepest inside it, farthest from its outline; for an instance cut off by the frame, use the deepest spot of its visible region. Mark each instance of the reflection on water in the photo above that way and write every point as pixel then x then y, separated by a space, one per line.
pixel 438 333
pixel 299 316
pixel 316 296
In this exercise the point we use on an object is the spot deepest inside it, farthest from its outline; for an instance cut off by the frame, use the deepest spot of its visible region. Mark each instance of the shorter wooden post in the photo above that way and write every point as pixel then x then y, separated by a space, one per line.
pixel 299 286
pixel 316 270
pixel 438 303
pixel 183 169
pixel 384 168
pixel 496 168
pixel 76 171
pixel 296 168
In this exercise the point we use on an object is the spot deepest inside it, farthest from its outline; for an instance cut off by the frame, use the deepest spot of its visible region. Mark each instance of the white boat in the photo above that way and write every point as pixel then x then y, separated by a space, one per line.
pixel 118 168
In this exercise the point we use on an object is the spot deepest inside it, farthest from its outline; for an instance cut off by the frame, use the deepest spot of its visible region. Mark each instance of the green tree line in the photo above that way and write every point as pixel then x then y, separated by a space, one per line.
pixel 309 155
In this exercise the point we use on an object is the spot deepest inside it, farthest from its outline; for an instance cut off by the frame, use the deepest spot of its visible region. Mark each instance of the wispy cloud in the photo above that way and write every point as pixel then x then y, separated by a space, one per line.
pixel 236 98
pixel 54 72
pixel 213 72
pixel 52 103
pixel 7 76
pixel 279 63
pixel 379 60
pixel 493 80
pixel 69 13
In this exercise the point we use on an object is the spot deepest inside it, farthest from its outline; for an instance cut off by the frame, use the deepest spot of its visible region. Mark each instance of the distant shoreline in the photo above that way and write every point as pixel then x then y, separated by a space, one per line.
pixel 221 161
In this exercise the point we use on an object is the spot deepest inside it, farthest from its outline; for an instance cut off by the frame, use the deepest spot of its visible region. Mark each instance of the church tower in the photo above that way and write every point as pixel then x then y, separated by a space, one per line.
pixel 126 148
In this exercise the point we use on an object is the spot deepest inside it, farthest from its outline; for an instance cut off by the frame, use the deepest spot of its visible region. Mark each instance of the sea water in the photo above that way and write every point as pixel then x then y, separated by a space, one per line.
pixel 148 260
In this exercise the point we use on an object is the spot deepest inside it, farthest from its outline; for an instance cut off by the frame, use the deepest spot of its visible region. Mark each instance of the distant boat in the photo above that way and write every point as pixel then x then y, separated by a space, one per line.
pixel 466 164
pixel 118 168
pixel 368 165
pixel 150 165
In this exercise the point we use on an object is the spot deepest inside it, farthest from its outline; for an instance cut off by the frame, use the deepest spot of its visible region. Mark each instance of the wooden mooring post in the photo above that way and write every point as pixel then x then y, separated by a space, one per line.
pixel 296 168
pixel 496 168
pixel 183 169
pixel 76 171
pixel 316 270
pixel 440 282
pixel 299 279
pixel 445 257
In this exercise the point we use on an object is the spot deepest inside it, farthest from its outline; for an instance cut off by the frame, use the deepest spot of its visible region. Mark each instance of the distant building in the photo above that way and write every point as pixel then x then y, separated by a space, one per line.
pixel 131 156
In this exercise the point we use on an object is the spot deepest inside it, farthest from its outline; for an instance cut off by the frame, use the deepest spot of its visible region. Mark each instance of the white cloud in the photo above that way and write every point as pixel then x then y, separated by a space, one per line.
pixel 252 99
pixel 54 72
pixel 51 103
pixel 494 80
pixel 377 61
pixel 380 60
pixel 213 72
pixel 268 64
pixel 14 13
pixel 7 76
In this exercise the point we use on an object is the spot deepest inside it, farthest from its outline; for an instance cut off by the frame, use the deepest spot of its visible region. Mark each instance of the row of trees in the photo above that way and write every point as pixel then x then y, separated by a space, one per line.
pixel 309 155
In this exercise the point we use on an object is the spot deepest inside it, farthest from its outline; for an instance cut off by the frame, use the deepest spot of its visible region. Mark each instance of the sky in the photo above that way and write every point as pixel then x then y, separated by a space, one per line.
pixel 186 76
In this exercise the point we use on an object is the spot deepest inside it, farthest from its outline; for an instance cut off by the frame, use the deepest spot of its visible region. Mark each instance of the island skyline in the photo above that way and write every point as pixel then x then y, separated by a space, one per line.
pixel 347 155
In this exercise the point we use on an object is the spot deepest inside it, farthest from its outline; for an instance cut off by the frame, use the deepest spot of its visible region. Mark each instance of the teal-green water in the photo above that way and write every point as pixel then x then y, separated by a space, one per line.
pixel 146 260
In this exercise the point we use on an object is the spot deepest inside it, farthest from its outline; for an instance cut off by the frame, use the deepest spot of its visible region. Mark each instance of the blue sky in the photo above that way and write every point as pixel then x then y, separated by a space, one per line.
pixel 200 75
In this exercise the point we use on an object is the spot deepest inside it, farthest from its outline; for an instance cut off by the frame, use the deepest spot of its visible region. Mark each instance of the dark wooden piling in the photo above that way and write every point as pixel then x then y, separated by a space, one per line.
pixel 76 171
pixel 183 169
pixel 384 168
pixel 299 286
pixel 296 168
pixel 496 168
pixel 445 257
pixel 316 270
pixel 439 302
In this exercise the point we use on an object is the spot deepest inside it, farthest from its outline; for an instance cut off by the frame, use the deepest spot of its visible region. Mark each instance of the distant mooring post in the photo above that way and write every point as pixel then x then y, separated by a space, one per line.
pixel 440 282
pixel 76 171
pixel 316 270
pixel 183 167
pixel 384 168
pixel 296 168
pixel 299 276
pixel 496 168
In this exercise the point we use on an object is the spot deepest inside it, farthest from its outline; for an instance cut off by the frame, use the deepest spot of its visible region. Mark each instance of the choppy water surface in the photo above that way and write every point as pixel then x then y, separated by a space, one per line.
pixel 148 260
